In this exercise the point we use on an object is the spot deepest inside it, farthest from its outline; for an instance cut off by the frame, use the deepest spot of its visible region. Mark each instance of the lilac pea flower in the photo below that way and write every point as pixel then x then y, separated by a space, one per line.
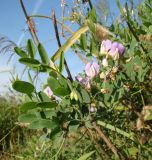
pixel 114 53
pixel 92 69
pixel 107 44
pixel 116 50
pixel 105 47
pixel 121 49
pixel 84 81
pixel 48 92
pixel 78 78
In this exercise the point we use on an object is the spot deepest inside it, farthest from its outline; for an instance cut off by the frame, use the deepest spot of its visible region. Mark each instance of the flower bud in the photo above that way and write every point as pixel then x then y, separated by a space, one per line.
pixel 48 92
pixel 74 95
pixel 104 90
pixel 114 69
pixel 102 75
pixel 104 62
pixel 92 69
pixel 93 109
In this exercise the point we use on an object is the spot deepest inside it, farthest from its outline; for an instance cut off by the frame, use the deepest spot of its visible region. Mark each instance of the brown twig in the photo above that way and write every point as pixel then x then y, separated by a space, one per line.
pixel 30 23
pixel 48 17
pixel 63 9
pixel 59 44
pixel 108 142
pixel 97 146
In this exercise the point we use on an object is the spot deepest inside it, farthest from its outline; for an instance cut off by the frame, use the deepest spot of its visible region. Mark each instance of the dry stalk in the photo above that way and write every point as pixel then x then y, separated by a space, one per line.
pixel 30 23
pixel 99 149
pixel 59 44
pixel 108 142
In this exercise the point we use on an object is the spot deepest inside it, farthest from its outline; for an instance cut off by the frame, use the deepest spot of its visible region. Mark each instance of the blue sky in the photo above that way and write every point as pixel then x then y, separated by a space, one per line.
pixel 13 26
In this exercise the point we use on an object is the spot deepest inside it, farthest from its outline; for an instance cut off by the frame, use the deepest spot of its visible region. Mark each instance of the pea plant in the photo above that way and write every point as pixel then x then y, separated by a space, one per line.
pixel 104 112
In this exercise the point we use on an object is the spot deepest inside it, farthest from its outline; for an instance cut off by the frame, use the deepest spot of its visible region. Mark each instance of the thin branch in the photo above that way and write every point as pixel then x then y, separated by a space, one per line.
pixel 47 17
pixel 107 141
pixel 97 146
pixel 30 23
pixel 59 44
pixel 63 9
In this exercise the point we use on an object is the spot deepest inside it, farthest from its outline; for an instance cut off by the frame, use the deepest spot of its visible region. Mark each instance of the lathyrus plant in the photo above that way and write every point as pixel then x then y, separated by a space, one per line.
pixel 103 109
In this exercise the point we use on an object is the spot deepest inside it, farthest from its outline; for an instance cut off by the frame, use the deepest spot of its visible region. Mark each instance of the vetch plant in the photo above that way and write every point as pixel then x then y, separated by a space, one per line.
pixel 95 114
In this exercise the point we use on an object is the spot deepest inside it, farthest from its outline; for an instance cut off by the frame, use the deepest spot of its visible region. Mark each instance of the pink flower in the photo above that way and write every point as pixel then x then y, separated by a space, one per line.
pixel 48 92
pixel 106 45
pixel 78 78
pixel 92 69
pixel 84 81
pixel 114 49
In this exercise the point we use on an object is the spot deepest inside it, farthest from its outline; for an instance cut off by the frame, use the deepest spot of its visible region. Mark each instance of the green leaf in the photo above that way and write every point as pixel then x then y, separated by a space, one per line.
pixel 85 96
pixel 149 117
pixel 53 74
pixel 73 128
pixel 23 87
pixel 61 64
pixel 30 62
pixel 31 49
pixel 93 15
pixel 120 7
pixel 93 48
pixel 28 106
pixel 63 82
pixel 44 97
pixel 47 104
pixel 61 91
pixel 43 54
pixel 53 83
pixel 20 52
pixel 91 26
pixel 133 151
pixel 69 42
pixel 86 156
pixel 42 123
pixel 83 41
pixel 27 118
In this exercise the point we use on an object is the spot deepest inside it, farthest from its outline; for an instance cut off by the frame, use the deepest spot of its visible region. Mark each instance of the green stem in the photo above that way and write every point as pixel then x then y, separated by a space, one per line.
pixel 59 149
